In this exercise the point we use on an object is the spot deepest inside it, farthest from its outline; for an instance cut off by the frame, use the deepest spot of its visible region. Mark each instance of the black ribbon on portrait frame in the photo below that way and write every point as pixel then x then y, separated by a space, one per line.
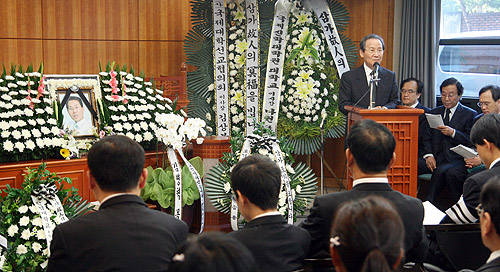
pixel 75 89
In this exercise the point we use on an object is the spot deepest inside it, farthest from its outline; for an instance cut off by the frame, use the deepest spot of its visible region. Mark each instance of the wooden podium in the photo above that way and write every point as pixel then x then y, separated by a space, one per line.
pixel 403 123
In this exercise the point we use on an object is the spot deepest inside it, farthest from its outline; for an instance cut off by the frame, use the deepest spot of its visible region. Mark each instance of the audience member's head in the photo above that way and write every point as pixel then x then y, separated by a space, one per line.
pixel 411 89
pixel 451 92
pixel 371 145
pixel 213 252
pixel 256 179
pixel 367 235
pixel 489 213
pixel 489 99
pixel 116 163
pixel 485 134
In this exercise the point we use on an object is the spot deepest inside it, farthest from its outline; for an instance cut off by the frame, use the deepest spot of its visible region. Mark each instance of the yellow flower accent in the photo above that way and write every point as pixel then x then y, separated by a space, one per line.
pixel 238 15
pixel 240 60
pixel 302 18
pixel 238 96
pixel 305 75
pixel 65 152
pixel 241 46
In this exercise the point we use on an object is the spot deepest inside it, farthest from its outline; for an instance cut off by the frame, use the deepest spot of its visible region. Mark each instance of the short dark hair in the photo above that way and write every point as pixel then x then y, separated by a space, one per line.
pixel 259 179
pixel 372 145
pixel 452 81
pixel 362 44
pixel 490 194
pixel 212 252
pixel 420 84
pixel 76 98
pixel 486 128
pixel 369 234
pixel 116 162
pixel 494 89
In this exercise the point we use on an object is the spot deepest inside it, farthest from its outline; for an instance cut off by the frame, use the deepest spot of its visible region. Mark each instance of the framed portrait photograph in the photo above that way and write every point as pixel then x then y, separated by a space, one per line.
pixel 77 97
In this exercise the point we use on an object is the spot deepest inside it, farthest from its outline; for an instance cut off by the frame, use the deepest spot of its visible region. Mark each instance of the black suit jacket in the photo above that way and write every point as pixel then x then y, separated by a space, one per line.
pixel 124 235
pixel 439 145
pixel 353 85
pixel 492 266
pixel 319 221
pixel 423 129
pixel 276 245
pixel 464 211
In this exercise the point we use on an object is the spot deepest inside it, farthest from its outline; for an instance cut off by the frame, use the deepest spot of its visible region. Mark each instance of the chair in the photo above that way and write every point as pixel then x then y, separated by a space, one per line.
pixel 461 245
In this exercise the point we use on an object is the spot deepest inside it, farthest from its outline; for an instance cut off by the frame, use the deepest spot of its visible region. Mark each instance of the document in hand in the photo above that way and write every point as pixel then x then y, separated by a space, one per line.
pixel 464 151
pixel 434 120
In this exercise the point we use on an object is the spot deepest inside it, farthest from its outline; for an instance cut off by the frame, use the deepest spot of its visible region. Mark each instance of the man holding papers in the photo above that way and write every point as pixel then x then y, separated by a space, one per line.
pixel 438 158
pixel 486 136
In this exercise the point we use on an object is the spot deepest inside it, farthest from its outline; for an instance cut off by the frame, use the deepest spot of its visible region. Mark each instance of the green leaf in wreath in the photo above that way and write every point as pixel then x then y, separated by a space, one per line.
pixel 170 179
pixel 150 177
pixel 156 192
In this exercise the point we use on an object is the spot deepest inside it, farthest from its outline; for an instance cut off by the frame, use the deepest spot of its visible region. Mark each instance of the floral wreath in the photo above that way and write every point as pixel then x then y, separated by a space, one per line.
pixel 311 82
pixel 302 178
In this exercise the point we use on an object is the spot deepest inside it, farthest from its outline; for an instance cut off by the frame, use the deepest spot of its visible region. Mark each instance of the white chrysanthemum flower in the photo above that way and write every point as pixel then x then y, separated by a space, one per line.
pixel 40 234
pixel 33 209
pixel 227 187
pixel 21 249
pixel 26 234
pixel 36 247
pixel 37 222
pixel 12 230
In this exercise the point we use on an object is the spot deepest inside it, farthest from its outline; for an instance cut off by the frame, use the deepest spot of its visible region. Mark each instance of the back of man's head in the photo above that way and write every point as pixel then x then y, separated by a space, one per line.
pixel 259 179
pixel 490 196
pixel 116 162
pixel 372 146
pixel 486 128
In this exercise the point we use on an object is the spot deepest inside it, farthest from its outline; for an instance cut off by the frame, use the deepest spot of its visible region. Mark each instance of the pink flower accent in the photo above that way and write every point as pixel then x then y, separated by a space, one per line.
pixel 115 97
pixel 113 83
pixel 31 105
pixel 125 101
pixel 102 133
pixel 41 87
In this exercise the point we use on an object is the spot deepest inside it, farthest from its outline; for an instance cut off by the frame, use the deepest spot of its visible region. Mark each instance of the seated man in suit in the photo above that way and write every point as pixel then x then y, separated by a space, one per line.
pixel 276 246
pixel 485 135
pixel 489 102
pixel 354 84
pixel 489 218
pixel 124 235
pixel 370 153
pixel 438 158
pixel 411 89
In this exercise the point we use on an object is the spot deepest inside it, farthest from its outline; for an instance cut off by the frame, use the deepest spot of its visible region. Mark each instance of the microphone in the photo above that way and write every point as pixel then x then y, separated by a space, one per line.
pixel 323 117
pixel 376 65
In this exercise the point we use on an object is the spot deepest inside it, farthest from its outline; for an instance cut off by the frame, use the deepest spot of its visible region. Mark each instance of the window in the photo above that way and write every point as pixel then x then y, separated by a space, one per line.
pixel 469 44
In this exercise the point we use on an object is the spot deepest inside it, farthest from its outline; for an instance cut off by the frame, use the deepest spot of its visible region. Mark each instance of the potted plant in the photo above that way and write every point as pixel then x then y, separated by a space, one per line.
pixel 160 188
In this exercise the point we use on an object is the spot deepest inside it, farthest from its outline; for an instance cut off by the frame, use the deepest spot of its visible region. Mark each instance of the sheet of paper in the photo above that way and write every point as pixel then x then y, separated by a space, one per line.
pixel 434 120
pixel 433 215
pixel 464 151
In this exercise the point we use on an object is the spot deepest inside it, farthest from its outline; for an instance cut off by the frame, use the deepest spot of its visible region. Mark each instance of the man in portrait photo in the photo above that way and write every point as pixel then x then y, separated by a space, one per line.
pixel 78 123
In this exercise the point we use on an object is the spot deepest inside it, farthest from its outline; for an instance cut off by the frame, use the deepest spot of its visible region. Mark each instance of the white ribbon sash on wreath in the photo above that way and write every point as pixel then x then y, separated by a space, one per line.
pixel 252 71
pixel 199 185
pixel 41 198
pixel 221 68
pixel 325 18
pixel 176 169
pixel 275 63
pixel 250 141
pixel 3 243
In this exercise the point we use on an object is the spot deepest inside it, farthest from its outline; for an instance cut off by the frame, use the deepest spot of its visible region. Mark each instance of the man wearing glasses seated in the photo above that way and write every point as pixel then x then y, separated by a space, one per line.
pixel 438 158
pixel 411 89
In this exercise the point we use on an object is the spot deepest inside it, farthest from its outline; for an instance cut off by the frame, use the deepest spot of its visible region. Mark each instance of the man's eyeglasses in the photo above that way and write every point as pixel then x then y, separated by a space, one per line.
pixel 480 104
pixel 479 209
pixel 410 91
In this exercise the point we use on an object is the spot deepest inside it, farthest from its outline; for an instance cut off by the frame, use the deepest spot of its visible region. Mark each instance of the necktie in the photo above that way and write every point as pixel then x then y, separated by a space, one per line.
pixel 372 76
pixel 447 116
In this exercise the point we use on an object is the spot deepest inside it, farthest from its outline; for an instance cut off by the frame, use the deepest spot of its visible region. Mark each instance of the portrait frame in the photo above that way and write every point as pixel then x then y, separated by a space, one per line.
pixel 81 92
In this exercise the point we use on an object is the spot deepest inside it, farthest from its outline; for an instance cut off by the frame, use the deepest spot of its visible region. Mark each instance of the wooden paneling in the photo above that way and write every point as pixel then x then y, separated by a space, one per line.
pixel 158 58
pixel 21 52
pixel 20 19
pixel 90 19
pixel 164 20
pixel 82 57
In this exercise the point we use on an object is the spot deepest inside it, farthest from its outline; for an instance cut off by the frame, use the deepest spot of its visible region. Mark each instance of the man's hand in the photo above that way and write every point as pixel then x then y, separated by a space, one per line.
pixel 446 130
pixel 431 163
pixel 473 162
